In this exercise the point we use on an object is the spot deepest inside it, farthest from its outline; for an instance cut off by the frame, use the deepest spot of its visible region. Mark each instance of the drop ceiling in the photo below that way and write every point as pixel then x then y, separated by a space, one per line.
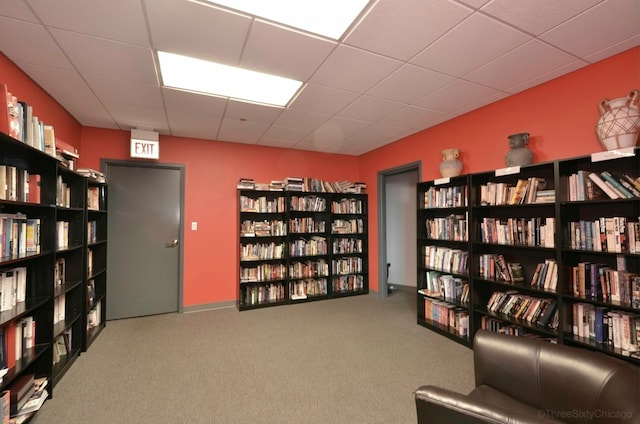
pixel 403 66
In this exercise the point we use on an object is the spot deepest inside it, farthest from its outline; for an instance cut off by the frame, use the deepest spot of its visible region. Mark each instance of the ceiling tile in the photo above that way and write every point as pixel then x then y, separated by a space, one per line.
pixel 282 136
pixel 469 45
pixel 193 115
pixel 114 90
pixel 251 112
pixel 332 133
pixel 353 69
pixel 520 65
pixel 193 29
pixel 477 4
pixel 325 100
pixel 614 49
pixel 99 56
pixel 87 111
pixel 409 83
pixel 537 16
pixel 120 20
pixel 38 48
pixel 61 81
pixel 457 96
pixel 268 49
pixel 401 28
pixel 17 10
pixel 300 120
pixel 546 76
pixel 413 117
pixel 130 116
pixel 611 22
pixel 367 108
pixel 241 132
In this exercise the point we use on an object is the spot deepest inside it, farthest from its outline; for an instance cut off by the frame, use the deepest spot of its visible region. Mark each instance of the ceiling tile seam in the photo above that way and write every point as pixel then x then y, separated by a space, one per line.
pixel 62 51
pixel 358 20
pixel 531 35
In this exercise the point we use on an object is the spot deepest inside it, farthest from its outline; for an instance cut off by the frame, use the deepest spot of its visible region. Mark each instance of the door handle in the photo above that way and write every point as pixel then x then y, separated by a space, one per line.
pixel 172 243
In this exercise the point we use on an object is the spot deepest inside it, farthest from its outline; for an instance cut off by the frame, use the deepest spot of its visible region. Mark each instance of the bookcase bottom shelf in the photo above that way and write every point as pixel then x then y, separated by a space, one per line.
pixel 445 331
pixel 244 307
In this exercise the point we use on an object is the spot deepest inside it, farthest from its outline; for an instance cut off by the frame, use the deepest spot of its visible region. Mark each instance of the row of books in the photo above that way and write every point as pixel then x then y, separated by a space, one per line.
pixel 538 232
pixel 62 234
pixel 23 398
pixel 13 287
pixel 447 315
pixel 94 316
pixel 347 245
pixel 348 265
pixel 346 206
pixel 59 309
pixel 306 225
pixel 92 174
pixel 263 272
pixel 17 337
pixel 531 190
pixel 309 269
pixel 446 287
pixel 268 293
pixel 262 204
pixel 347 226
pixel 93 198
pixel 311 287
pixel 261 251
pixel 599 281
pixel 18 120
pixel 613 329
pixel 303 184
pixel 499 326
pixel 250 228
pixel 347 283
pixel 445 259
pixel 62 346
pixel 308 203
pixel 545 276
pixel 63 193
pixel 19 184
pixel 533 310
pixel 445 197
pixel 606 234
pixel 452 227
pixel 19 235
pixel 315 245
pixel 587 185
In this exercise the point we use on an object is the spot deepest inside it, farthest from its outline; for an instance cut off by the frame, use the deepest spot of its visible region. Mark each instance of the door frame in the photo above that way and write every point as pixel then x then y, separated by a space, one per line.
pixel 383 290
pixel 104 168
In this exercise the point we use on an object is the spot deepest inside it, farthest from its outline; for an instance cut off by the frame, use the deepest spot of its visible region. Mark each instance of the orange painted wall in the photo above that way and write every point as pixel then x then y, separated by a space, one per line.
pixel 212 171
pixel 45 107
pixel 560 116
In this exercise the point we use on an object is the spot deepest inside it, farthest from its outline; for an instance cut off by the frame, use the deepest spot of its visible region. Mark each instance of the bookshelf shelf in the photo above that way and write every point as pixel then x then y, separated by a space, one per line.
pixel 306 249
pixel 548 245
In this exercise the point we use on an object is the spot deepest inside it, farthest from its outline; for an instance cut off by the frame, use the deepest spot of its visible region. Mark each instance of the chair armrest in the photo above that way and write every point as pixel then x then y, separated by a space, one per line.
pixel 439 405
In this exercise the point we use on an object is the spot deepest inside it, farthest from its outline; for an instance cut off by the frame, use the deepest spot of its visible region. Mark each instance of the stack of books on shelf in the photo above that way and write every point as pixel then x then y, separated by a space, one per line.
pixel 533 310
pixel 445 197
pixel 606 327
pixel 616 234
pixel 586 185
pixel 525 191
pixel 601 282
pixel 93 174
pixel 305 184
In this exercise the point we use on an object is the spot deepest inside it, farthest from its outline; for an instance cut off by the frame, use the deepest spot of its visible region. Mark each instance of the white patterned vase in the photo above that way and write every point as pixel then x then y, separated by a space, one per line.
pixel 619 123
pixel 450 165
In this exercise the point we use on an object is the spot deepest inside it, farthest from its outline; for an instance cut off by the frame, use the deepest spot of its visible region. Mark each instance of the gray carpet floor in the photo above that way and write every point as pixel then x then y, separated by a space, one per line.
pixel 348 360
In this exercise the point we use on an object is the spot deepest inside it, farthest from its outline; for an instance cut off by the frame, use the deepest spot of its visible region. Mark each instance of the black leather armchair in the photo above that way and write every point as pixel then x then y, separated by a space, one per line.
pixel 524 380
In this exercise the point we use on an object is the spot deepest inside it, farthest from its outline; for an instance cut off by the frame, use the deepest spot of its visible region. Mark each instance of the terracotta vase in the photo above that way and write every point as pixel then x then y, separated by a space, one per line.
pixel 619 123
pixel 519 155
pixel 450 165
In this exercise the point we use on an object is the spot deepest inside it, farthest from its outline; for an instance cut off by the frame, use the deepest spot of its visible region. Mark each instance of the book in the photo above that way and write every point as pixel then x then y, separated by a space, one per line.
pixel 516 271
pixel 604 187
pixel 49 140
pixel 21 391
pixel 617 186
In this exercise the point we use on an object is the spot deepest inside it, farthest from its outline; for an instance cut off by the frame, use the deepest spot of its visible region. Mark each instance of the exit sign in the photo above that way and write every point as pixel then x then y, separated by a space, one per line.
pixel 145 149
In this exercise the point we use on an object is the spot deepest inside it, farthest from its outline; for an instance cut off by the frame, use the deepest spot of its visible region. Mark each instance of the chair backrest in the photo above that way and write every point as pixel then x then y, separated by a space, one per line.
pixel 567 383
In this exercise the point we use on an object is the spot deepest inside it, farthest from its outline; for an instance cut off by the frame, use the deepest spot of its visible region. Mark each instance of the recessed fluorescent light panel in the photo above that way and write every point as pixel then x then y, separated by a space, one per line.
pixel 329 18
pixel 188 73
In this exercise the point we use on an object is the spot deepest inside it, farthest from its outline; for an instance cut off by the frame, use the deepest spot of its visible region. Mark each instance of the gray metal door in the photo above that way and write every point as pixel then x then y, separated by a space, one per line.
pixel 144 235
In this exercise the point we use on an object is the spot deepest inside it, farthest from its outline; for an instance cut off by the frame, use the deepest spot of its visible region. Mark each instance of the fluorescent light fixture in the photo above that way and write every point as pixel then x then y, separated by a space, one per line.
pixel 192 74
pixel 329 18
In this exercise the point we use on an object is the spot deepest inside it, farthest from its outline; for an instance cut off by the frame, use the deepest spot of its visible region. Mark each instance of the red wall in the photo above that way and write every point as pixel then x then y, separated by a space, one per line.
pixel 212 171
pixel 44 106
pixel 560 116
